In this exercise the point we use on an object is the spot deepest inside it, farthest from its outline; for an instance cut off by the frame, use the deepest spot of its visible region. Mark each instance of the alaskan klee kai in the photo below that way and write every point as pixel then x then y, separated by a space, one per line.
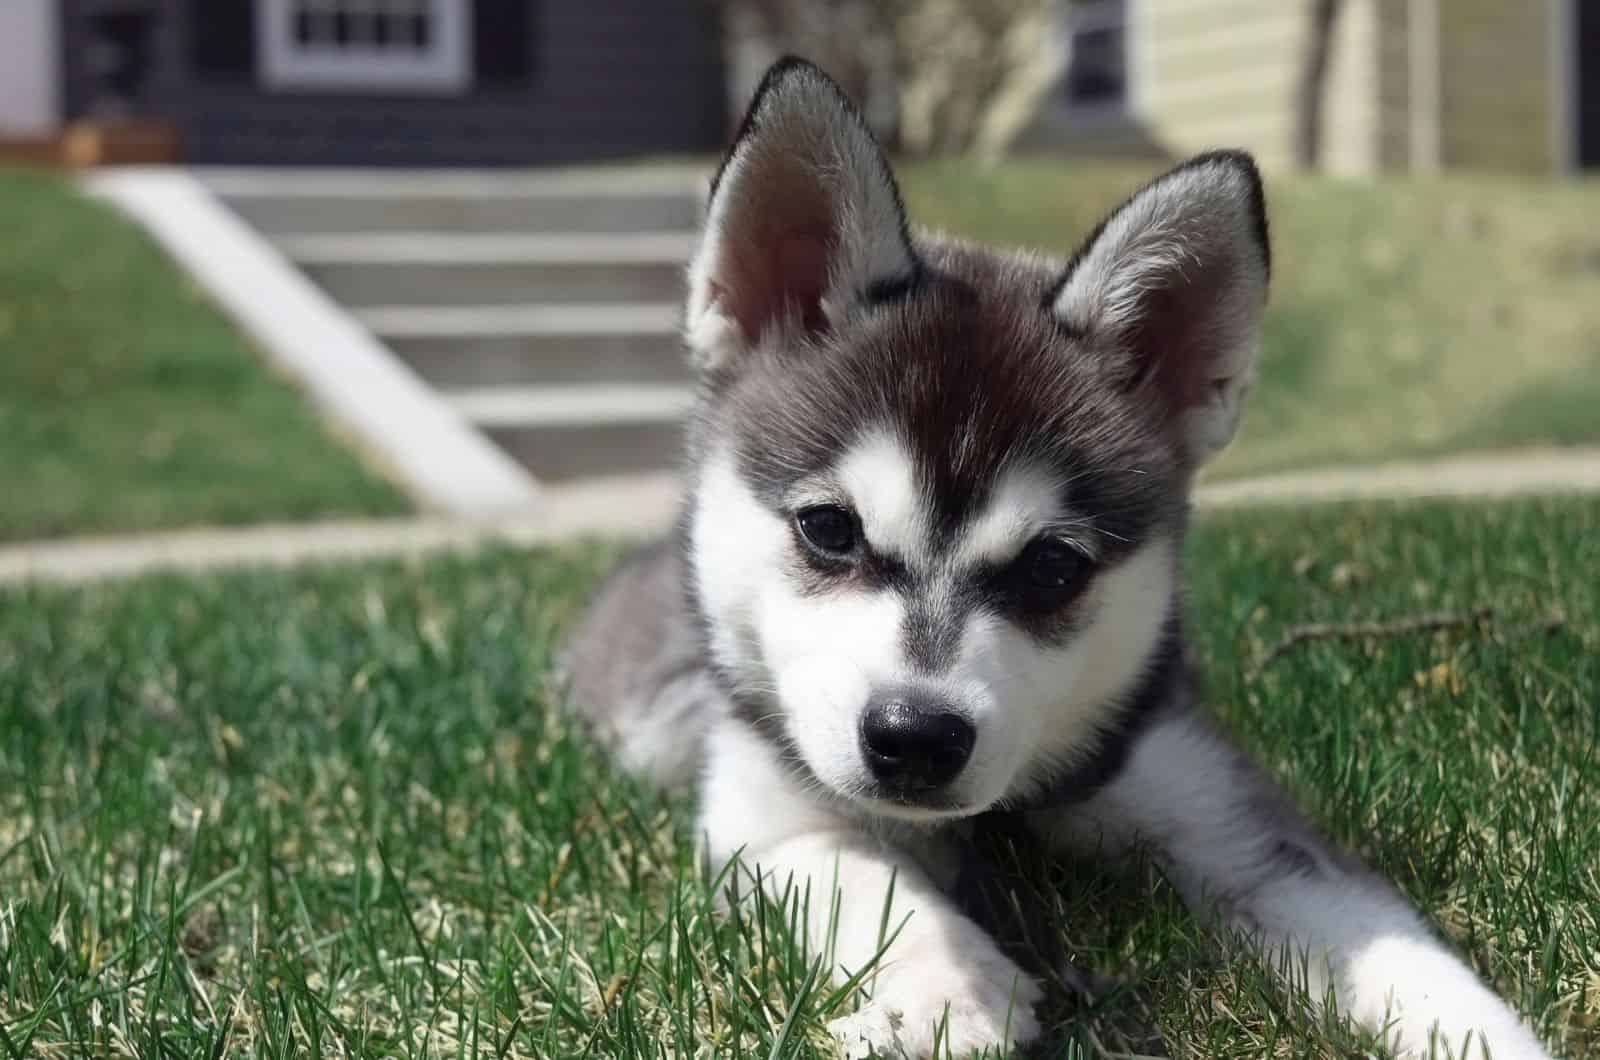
pixel 930 569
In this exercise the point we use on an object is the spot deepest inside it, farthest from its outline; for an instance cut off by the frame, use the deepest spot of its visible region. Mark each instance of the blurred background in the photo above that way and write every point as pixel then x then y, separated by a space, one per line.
pixel 503 194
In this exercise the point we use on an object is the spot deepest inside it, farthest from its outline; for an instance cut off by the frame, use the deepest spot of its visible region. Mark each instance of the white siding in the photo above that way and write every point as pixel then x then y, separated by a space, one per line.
pixel 30 82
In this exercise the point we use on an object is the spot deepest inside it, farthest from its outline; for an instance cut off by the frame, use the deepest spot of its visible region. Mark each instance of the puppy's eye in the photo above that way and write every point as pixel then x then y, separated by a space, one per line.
pixel 828 528
pixel 1052 566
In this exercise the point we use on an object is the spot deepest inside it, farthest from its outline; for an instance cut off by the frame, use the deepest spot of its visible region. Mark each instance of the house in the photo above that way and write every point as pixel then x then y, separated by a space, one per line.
pixel 1411 85
pixel 398 82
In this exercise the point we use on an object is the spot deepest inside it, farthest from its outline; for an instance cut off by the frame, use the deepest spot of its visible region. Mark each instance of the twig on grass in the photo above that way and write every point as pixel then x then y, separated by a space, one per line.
pixel 1427 622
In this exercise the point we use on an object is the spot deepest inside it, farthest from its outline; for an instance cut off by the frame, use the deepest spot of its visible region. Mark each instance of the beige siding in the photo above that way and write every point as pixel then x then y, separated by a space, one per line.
pixel 1227 72
pixel 1394 84
pixel 1412 84
pixel 1495 94
pixel 1350 96
pixel 1220 73
pixel 1182 19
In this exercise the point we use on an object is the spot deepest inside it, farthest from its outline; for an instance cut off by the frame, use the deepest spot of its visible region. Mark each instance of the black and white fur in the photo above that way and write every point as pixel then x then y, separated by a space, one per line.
pixel 971 412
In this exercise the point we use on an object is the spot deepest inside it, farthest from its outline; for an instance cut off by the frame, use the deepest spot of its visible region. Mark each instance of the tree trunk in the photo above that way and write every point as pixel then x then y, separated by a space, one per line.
pixel 1313 84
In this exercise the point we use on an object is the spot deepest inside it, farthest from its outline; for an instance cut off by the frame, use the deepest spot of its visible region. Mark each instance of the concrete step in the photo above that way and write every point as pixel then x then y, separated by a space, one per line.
pixel 475 346
pixel 570 212
pixel 435 268
pixel 565 454
pixel 573 404
pixel 308 202
pixel 568 432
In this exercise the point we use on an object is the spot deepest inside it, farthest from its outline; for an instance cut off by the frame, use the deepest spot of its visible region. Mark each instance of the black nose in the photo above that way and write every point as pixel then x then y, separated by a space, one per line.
pixel 914 745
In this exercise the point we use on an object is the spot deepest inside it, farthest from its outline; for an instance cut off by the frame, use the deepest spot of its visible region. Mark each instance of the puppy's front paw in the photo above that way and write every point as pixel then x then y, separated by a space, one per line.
pixel 942 1004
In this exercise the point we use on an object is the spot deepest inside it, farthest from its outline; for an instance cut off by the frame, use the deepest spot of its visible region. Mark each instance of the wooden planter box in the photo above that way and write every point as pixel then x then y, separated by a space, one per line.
pixel 97 143
pixel 31 150
pixel 118 143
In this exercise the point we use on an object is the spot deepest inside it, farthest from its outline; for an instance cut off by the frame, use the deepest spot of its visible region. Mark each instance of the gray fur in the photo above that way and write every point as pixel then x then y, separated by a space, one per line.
pixel 957 349
pixel 1100 385
pixel 637 664
pixel 636 667
pixel 971 369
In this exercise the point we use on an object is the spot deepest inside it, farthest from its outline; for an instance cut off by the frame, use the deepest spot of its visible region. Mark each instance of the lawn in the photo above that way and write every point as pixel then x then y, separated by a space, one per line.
pixel 330 812
pixel 1409 318
pixel 127 402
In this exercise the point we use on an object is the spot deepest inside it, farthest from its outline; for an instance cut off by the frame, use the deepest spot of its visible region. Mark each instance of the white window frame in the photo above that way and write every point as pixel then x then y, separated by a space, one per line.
pixel 444 68
pixel 1093 15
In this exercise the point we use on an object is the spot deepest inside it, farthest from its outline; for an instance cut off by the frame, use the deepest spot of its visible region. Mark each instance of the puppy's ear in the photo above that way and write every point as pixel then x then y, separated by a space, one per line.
pixel 804 225
pixel 1172 286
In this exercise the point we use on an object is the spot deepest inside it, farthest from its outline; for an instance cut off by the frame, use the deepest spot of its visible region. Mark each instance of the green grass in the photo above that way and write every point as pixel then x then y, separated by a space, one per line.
pixel 330 812
pixel 127 402
pixel 1409 318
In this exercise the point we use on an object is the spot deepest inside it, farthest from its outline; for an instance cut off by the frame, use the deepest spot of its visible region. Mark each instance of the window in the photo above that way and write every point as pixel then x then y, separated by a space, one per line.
pixel 414 45
pixel 1096 55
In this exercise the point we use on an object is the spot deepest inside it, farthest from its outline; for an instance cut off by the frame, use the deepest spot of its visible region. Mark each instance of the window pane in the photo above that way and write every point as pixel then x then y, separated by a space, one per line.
pixel 323 29
pixel 1098 72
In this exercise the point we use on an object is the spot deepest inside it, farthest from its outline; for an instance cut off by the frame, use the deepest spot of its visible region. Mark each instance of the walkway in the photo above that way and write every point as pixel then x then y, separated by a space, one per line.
pixel 640 505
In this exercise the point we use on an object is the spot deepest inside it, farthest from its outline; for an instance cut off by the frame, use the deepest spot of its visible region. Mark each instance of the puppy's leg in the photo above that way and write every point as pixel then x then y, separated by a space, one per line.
pixel 1232 843
pixel 941 983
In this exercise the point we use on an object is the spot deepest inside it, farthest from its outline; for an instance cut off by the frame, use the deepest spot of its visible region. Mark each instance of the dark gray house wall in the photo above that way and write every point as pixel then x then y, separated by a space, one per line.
pixel 1586 57
pixel 555 81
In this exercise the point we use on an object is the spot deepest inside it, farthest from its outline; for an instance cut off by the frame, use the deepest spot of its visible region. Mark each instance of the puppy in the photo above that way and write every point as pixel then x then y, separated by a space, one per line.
pixel 930 570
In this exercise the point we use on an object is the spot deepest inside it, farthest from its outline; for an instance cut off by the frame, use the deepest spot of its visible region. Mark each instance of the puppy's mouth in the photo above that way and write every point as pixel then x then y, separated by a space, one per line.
pixel 926 805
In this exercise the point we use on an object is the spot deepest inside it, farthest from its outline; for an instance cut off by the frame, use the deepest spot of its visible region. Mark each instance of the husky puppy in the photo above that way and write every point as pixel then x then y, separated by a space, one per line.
pixel 930 570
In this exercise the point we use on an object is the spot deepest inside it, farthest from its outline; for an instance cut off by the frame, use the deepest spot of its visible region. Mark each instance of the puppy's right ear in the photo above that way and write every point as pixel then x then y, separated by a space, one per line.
pixel 804 227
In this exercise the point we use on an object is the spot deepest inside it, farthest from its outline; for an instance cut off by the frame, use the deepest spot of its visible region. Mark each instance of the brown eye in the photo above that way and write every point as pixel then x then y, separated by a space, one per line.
pixel 828 528
pixel 1052 567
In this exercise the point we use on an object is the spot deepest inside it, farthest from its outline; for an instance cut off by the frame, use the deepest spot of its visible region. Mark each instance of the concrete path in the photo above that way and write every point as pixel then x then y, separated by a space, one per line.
pixel 1519 473
pixel 639 505
pixel 628 506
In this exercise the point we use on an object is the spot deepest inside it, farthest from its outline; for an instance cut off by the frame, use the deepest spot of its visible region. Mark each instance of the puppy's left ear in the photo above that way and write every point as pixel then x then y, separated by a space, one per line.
pixel 1171 287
